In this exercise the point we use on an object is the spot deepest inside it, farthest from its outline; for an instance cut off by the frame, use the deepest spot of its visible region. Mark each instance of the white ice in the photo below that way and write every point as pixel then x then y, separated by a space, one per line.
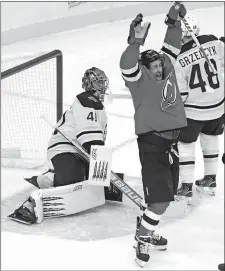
pixel 196 239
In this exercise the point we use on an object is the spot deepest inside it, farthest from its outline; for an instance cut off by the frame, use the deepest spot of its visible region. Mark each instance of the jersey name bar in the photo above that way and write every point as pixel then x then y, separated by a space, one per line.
pixel 195 56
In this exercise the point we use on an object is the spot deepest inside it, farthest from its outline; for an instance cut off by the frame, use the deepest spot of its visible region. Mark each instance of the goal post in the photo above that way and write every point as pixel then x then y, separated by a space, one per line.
pixel 29 91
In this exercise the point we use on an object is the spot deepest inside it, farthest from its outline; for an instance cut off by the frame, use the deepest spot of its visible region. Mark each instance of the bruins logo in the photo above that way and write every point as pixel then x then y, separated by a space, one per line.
pixel 169 92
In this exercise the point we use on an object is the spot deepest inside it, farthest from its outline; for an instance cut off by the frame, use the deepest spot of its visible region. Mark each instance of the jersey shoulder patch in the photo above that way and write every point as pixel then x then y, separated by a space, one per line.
pixel 88 100
pixel 202 39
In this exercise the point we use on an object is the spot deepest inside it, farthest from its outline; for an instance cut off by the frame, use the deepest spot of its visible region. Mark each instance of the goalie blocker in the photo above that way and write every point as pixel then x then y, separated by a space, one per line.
pixel 99 172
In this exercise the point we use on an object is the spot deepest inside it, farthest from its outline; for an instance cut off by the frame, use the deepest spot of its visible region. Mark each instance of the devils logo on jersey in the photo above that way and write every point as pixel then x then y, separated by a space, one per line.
pixel 169 92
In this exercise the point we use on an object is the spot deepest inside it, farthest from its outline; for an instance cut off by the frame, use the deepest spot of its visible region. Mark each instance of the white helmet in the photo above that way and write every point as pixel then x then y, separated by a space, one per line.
pixel 193 23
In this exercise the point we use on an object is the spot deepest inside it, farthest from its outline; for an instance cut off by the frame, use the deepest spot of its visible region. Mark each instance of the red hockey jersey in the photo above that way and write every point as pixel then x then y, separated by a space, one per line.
pixel 158 104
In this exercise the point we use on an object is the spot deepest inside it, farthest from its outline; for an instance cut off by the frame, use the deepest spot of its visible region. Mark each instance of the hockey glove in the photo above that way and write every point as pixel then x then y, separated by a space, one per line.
pixel 112 192
pixel 176 12
pixel 222 39
pixel 138 33
pixel 223 158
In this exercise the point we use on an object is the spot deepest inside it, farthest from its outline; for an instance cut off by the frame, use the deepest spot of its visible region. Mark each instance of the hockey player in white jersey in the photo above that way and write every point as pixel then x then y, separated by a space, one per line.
pixel 203 96
pixel 86 123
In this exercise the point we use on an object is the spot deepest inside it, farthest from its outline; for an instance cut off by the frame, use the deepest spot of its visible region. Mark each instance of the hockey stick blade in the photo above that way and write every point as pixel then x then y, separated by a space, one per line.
pixel 114 179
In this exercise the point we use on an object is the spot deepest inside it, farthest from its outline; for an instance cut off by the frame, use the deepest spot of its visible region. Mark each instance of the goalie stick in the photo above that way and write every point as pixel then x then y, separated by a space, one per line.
pixel 114 179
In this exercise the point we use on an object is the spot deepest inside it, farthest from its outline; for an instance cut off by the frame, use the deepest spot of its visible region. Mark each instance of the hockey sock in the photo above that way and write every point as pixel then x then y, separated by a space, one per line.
pixel 210 150
pixel 187 161
pixel 151 218
pixel 143 208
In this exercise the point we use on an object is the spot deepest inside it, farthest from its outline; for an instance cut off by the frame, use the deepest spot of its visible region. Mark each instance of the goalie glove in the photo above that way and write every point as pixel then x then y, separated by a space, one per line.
pixel 176 13
pixel 138 33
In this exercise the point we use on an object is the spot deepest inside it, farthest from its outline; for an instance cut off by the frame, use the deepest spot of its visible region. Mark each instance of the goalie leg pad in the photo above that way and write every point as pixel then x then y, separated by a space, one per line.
pixel 187 161
pixel 36 199
pixel 66 200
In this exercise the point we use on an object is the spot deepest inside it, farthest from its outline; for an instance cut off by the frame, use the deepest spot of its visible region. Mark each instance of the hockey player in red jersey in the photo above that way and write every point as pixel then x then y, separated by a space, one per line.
pixel 159 115
pixel 203 95
pixel 86 123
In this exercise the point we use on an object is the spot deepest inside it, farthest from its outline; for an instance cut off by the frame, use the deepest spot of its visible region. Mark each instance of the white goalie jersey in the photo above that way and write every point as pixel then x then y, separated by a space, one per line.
pixel 85 122
pixel 202 91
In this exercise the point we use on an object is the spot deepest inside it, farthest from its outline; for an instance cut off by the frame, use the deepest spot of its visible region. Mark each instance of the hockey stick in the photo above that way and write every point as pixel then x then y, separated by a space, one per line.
pixel 122 96
pixel 114 179
pixel 199 45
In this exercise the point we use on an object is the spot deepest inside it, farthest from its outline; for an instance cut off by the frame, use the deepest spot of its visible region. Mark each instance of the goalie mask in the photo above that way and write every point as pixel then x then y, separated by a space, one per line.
pixel 96 82
pixel 193 23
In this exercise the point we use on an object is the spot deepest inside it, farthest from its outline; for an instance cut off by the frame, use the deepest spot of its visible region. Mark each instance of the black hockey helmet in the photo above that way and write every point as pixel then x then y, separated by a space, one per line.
pixel 95 80
pixel 149 56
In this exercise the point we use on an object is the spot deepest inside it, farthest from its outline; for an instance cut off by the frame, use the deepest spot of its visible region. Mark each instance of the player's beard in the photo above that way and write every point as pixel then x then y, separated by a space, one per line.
pixel 158 76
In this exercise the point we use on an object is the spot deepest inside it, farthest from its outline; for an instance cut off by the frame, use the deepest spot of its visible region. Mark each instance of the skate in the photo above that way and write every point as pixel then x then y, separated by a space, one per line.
pixel 221 267
pixel 157 242
pixel 184 193
pixel 142 250
pixel 23 215
pixel 207 185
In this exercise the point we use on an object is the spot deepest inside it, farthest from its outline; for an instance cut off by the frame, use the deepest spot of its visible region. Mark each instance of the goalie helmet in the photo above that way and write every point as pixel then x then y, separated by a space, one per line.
pixel 149 56
pixel 96 82
pixel 193 23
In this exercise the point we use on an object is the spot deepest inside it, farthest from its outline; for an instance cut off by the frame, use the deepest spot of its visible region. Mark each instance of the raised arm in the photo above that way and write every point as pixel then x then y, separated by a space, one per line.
pixel 173 38
pixel 129 66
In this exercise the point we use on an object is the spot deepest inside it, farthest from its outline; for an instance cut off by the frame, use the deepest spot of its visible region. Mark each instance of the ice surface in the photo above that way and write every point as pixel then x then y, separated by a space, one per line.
pixel 102 238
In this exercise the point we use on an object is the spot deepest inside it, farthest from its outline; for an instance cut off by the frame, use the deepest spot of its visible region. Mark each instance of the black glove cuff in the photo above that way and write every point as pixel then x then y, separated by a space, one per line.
pixel 171 22
pixel 223 158
pixel 132 40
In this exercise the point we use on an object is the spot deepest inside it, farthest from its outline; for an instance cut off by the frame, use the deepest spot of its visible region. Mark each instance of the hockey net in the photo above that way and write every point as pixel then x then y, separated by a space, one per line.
pixel 29 91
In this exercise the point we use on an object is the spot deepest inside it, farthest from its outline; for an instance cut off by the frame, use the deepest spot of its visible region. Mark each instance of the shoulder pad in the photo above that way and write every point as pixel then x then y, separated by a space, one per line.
pixel 202 39
pixel 88 100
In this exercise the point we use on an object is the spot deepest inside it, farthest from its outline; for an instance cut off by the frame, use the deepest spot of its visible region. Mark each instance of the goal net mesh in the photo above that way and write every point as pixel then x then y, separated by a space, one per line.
pixel 26 97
